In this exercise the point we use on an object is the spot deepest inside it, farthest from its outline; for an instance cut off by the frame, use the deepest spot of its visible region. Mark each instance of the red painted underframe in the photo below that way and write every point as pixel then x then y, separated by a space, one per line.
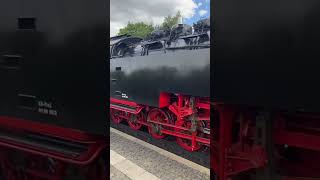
pixel 176 109
pixel 136 111
pixel 164 99
pixel 95 143
pixel 186 136
pixel 50 130
pixel 301 140
pixel 118 101
pixel 300 132
pixel 229 158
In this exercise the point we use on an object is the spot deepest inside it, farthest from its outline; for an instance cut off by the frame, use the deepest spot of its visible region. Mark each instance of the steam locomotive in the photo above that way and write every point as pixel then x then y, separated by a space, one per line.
pixel 52 92
pixel 163 82
pixel 265 96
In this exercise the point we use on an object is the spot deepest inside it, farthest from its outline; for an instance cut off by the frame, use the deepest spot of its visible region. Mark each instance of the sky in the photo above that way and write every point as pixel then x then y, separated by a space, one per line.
pixel 154 11
pixel 203 11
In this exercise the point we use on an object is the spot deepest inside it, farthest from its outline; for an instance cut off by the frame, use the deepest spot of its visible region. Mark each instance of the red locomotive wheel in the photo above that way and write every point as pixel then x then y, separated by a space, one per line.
pixel 186 143
pixel 114 116
pixel 157 115
pixel 133 120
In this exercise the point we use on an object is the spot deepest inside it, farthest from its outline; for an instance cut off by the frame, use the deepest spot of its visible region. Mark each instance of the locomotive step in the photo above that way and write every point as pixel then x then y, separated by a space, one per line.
pixel 44 142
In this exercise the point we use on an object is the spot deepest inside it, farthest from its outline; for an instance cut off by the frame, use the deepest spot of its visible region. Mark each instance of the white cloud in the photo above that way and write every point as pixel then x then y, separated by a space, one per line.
pixel 153 11
pixel 199 4
pixel 203 12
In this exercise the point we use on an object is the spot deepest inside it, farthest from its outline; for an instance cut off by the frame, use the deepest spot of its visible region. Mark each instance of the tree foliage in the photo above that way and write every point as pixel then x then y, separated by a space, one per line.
pixel 139 29
pixel 170 21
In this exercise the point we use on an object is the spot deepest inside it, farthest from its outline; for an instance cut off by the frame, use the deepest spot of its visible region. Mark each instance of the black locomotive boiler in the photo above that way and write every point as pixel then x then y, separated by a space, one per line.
pixel 52 88
pixel 163 82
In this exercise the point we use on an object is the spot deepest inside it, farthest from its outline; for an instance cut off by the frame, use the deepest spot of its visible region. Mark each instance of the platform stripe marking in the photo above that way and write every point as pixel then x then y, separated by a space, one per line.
pixel 130 169
pixel 165 153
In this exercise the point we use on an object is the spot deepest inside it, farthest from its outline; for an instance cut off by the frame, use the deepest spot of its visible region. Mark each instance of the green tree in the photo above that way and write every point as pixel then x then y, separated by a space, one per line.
pixel 139 29
pixel 170 21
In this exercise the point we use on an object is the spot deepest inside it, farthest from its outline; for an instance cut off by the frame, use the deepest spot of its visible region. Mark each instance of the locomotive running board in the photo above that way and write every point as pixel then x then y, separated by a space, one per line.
pixel 67 145
pixel 126 108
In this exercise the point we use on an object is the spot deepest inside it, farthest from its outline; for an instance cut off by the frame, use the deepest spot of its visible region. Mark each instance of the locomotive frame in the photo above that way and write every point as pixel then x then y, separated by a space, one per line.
pixel 171 107
pixel 160 124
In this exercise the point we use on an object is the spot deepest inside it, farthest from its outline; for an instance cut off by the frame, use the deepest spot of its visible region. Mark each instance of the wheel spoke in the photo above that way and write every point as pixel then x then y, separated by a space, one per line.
pixel 134 124
pixel 157 115
pixel 186 143
pixel 114 115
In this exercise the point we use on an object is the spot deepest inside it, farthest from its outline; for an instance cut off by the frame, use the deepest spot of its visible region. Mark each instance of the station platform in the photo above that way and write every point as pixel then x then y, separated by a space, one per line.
pixel 134 159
